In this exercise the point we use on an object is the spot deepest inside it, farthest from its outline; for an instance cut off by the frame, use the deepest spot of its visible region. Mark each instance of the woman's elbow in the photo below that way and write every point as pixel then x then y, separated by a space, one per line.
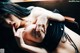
pixel 60 17
pixel 55 16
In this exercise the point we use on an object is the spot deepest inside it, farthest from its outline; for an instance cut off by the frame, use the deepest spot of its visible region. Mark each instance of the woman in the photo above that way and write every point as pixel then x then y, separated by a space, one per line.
pixel 35 38
pixel 35 29
pixel 34 42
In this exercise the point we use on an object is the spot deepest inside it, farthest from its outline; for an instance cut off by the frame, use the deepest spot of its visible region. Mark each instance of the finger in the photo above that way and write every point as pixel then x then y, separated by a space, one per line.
pixel 14 31
pixel 42 34
pixel 43 27
pixel 40 27
pixel 37 27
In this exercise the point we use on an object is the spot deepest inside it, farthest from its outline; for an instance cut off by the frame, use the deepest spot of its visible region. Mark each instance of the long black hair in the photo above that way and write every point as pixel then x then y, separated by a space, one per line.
pixel 7 8
pixel 11 8
pixel 4 0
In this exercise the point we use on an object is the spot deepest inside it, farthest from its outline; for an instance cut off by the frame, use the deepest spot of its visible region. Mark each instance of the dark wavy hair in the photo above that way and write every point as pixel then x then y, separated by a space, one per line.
pixel 4 0
pixel 11 8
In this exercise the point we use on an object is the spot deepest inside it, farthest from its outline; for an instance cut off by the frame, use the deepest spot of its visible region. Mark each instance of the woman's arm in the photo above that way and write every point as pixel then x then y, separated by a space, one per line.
pixel 25 46
pixel 37 11
pixel 31 48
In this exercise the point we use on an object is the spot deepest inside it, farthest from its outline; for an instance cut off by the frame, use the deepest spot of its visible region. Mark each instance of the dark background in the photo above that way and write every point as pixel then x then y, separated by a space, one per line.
pixel 7 39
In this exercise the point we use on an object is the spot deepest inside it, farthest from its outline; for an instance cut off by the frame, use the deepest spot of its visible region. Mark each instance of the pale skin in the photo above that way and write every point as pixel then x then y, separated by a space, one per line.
pixel 36 18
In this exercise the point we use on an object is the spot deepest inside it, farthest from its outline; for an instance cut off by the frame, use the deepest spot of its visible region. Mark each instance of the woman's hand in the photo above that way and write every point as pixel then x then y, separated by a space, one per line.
pixel 37 11
pixel 41 24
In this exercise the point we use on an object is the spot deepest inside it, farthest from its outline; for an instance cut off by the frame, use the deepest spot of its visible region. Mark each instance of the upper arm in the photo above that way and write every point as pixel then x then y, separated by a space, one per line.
pixel 30 48
pixel 37 11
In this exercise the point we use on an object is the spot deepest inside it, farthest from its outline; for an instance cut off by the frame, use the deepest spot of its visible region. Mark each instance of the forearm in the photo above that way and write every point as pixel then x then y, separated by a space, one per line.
pixel 55 16
pixel 37 11
pixel 33 48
